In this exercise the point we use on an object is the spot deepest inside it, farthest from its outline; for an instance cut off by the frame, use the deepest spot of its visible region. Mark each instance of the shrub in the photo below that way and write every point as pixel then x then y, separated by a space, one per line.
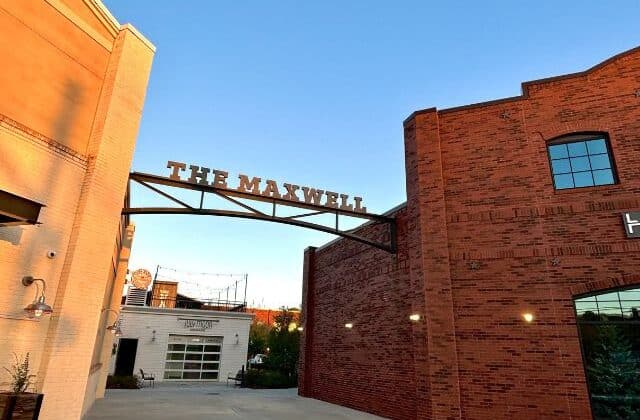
pixel 264 378
pixel 123 382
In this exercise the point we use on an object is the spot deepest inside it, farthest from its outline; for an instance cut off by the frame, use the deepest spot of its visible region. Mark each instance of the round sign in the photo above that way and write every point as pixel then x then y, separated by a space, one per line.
pixel 141 278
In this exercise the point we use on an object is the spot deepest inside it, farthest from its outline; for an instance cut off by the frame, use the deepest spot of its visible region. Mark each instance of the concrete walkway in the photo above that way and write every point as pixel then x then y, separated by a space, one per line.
pixel 215 401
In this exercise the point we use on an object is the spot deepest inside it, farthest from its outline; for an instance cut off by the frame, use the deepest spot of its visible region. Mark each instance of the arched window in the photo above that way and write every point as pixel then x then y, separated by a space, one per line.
pixel 581 160
pixel 609 329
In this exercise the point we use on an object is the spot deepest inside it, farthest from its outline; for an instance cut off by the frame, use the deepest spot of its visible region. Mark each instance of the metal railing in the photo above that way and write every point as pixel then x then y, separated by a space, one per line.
pixel 207 305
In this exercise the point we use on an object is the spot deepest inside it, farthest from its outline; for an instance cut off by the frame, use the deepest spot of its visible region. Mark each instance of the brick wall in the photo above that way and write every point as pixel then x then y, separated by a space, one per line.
pixel 490 238
pixel 368 367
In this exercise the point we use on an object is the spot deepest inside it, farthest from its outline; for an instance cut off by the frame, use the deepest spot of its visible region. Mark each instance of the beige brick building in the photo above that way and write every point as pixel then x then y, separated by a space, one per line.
pixel 73 84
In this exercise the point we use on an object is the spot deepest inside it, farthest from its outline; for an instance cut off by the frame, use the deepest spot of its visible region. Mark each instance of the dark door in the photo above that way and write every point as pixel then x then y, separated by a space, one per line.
pixel 126 358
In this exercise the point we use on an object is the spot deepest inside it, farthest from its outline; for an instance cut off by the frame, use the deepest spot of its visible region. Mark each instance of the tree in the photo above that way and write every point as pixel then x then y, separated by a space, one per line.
pixel 613 372
pixel 284 345
pixel 258 338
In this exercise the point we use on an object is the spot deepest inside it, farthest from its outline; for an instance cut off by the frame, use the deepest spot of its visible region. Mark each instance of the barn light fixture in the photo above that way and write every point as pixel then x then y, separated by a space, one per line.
pixel 115 327
pixel 300 329
pixel 414 317
pixel 38 307
pixel 527 316
pixel 348 325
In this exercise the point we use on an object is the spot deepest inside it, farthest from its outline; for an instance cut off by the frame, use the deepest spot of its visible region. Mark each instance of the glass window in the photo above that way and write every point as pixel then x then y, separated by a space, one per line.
pixel 173 365
pixel 609 325
pixel 176 347
pixel 173 375
pixel 581 161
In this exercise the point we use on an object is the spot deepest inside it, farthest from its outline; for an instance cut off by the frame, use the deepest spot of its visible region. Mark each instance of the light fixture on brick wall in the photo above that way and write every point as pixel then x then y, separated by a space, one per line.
pixel 414 317
pixel 38 307
pixel 348 325
pixel 115 327
pixel 527 316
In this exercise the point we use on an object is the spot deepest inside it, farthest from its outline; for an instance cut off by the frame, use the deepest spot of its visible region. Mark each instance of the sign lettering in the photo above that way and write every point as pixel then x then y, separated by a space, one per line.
pixel 632 224
pixel 199 324
pixel 267 188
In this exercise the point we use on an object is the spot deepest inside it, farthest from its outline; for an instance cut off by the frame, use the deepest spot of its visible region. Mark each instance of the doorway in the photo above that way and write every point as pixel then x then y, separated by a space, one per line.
pixel 126 358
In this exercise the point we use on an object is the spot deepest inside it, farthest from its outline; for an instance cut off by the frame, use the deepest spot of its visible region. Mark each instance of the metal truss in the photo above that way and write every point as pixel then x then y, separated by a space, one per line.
pixel 249 212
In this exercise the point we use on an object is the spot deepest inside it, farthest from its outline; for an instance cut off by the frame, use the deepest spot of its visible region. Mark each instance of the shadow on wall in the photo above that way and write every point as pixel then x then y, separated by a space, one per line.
pixel 11 234
pixel 31 259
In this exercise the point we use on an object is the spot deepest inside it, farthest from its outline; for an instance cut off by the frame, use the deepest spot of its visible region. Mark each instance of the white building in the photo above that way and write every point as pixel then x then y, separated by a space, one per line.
pixel 177 344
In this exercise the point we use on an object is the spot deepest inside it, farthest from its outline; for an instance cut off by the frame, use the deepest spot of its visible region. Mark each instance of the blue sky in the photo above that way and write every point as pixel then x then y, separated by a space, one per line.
pixel 315 93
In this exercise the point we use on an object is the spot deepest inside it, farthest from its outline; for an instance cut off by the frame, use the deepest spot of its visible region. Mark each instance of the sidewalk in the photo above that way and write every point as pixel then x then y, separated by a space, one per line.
pixel 215 401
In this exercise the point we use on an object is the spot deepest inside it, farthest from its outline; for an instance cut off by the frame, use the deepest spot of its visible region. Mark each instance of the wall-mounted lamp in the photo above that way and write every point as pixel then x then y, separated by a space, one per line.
pixel 38 307
pixel 153 335
pixel 115 327
pixel 237 339
pixel 414 317
pixel 527 316
pixel 300 329
pixel 348 325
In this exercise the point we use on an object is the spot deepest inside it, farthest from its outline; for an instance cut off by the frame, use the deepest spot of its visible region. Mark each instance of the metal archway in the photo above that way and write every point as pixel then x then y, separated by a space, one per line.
pixel 150 182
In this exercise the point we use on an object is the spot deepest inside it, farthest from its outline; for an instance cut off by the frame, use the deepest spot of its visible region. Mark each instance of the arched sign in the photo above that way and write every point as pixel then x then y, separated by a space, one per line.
pixel 219 183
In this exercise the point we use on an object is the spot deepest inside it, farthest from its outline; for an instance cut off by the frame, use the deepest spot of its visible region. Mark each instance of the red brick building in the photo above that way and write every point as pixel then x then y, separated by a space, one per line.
pixel 514 213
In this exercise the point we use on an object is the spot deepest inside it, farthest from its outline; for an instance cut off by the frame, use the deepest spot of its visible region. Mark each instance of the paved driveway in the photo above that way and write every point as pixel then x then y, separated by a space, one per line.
pixel 215 401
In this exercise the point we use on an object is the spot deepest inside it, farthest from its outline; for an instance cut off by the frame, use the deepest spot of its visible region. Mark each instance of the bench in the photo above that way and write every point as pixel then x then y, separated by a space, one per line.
pixel 147 377
pixel 238 378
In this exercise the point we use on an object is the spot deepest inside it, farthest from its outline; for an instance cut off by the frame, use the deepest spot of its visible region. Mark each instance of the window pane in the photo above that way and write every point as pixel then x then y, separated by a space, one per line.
pixel 175 356
pixel 211 357
pixel 597 146
pixel 580 164
pixel 627 305
pixel 212 348
pixel 583 179
pixel 173 365
pixel 563 181
pixel 633 294
pixel 191 375
pixel 190 356
pixel 194 348
pixel 582 307
pixel 173 375
pixel 560 166
pixel 176 347
pixel 197 366
pixel 577 149
pixel 558 151
pixel 600 162
pixel 210 366
pixel 209 375
pixel 607 297
pixel 603 177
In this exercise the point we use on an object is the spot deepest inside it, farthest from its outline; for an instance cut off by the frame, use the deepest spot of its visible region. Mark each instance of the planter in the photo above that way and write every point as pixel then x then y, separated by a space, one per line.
pixel 24 406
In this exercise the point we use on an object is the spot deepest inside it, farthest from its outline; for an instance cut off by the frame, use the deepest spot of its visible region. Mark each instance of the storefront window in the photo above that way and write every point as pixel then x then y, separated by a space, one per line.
pixel 186 359
pixel 609 326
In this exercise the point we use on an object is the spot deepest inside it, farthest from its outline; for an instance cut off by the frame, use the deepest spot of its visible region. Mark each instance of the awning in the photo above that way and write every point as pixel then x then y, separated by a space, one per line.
pixel 15 210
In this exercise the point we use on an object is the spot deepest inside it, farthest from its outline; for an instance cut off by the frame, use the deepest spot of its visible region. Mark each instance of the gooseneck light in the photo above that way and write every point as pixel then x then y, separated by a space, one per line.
pixel 38 307
pixel 115 327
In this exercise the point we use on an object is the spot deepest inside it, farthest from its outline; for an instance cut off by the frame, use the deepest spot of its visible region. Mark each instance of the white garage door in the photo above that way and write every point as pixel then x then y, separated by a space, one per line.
pixel 193 358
